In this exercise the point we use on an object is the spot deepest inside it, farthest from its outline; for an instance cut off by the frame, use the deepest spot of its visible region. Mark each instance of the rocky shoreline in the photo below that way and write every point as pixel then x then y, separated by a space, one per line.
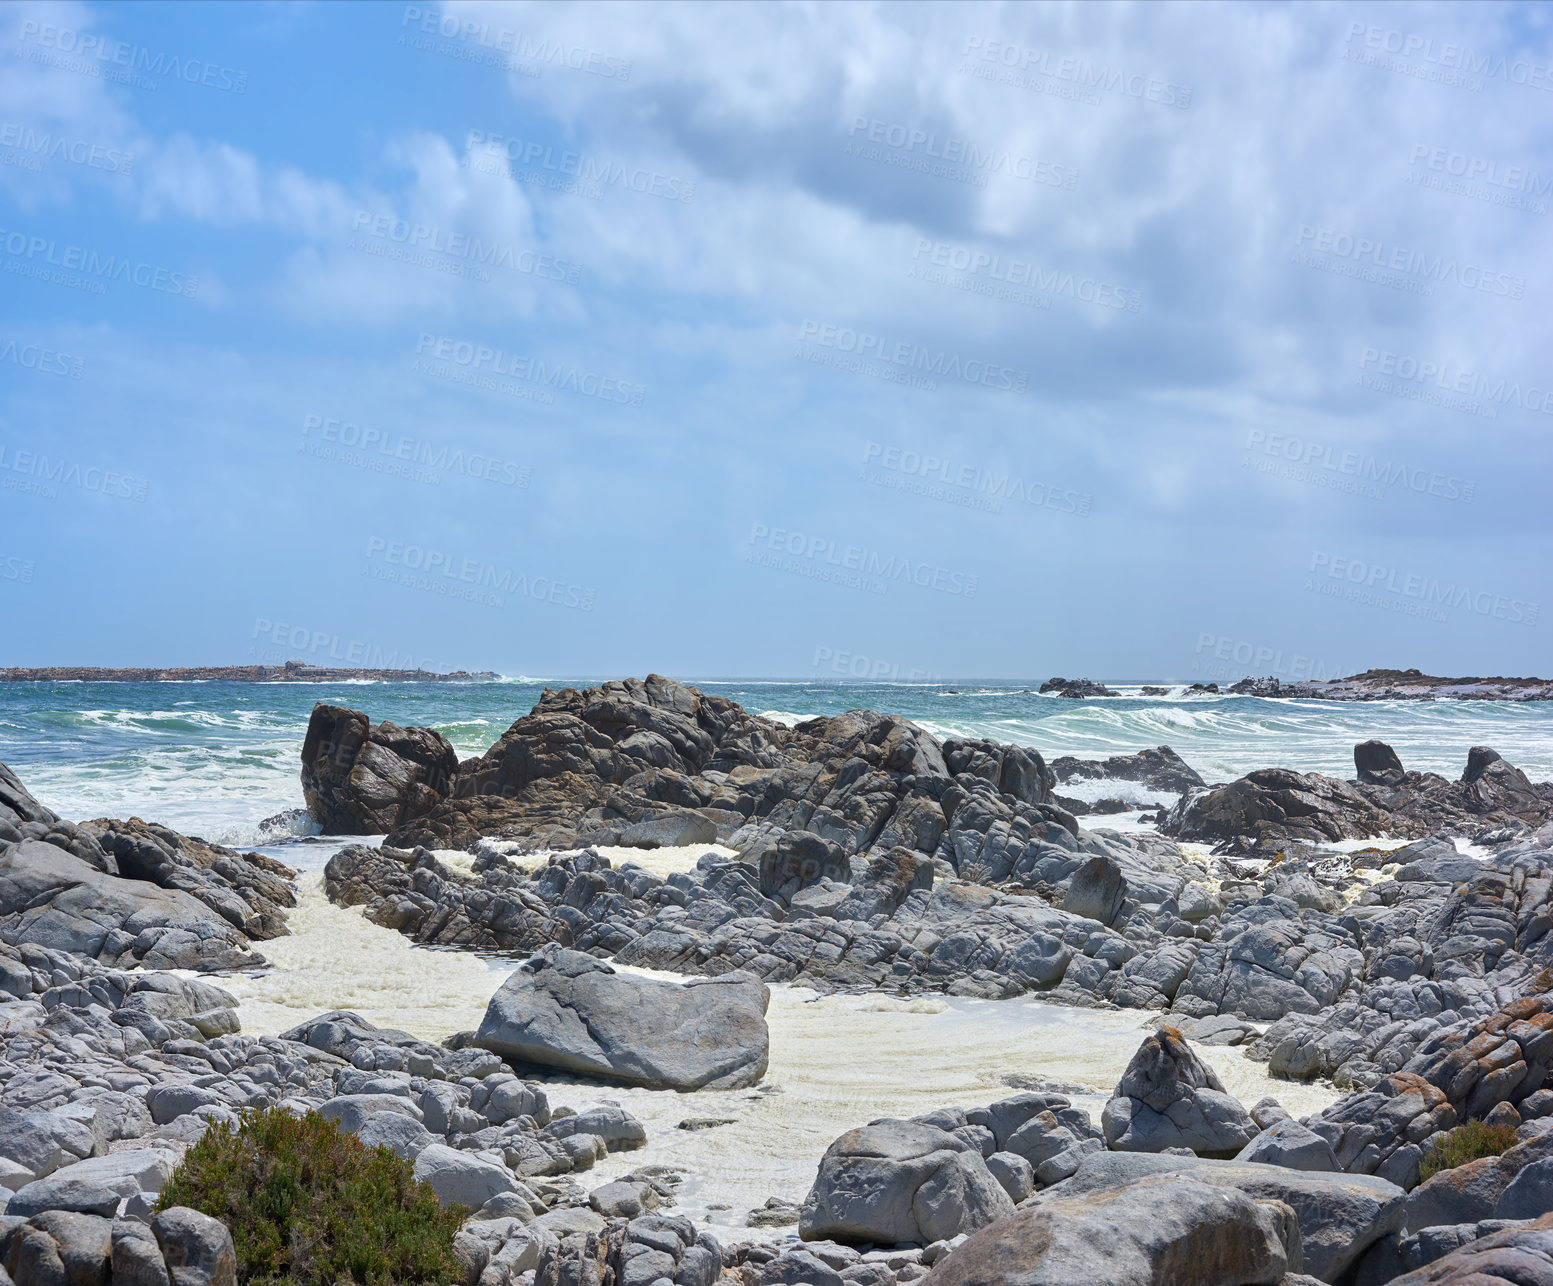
pixel 289 672
pixel 1391 685
pixel 1333 929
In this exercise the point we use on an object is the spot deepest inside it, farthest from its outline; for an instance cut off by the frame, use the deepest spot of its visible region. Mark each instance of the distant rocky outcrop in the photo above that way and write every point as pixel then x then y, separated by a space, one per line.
pixel 290 672
pixel 1276 804
pixel 1075 689
pixel 1396 685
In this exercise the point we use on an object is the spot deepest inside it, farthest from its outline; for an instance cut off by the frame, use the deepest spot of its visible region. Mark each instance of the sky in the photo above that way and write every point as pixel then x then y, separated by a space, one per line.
pixel 834 340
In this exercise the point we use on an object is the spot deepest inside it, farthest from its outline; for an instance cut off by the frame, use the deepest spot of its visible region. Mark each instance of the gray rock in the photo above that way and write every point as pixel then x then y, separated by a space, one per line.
pixel 462 1178
pixel 402 1135
pixel 353 1111
pixel 623 1199
pixel 1168 1097
pixel 569 1220
pixel 1530 1194
pixel 1340 1215
pixel 1165 1229
pixel 97 1184
pixel 196 1248
pixel 894 1182
pixel 620 1131
pixel 565 1009
pixel 1288 1143
pixel 1097 891
pixel 137 1258
pixel 1268 1111
pixel 798 1268
pixel 1014 1172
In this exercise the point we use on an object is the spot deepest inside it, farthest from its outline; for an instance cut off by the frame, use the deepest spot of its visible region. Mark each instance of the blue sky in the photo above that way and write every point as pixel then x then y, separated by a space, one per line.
pixel 847 341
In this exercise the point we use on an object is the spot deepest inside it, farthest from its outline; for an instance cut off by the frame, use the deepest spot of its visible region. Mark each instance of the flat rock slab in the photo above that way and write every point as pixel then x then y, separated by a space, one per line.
pixel 565 1009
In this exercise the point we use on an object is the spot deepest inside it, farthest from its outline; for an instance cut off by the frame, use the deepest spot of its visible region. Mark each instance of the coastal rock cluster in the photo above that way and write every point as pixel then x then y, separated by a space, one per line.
pixel 1274 805
pixel 132 893
pixel 853 852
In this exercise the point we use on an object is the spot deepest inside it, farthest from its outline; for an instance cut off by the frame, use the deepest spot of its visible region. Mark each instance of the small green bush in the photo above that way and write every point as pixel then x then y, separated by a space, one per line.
pixel 1467 1142
pixel 308 1203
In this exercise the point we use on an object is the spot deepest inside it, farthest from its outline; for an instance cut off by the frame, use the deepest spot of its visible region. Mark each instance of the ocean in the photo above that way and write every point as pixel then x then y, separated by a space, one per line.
pixel 218 759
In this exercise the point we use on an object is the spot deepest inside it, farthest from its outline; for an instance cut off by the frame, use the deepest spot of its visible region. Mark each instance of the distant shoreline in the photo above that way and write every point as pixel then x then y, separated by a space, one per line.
pixel 290 672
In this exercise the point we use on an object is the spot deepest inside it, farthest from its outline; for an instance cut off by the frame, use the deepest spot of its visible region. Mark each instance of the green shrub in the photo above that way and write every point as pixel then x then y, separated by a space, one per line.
pixel 309 1203
pixel 1467 1142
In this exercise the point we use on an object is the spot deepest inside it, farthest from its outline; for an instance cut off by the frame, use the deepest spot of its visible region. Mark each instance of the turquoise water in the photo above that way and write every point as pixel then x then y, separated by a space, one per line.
pixel 215 759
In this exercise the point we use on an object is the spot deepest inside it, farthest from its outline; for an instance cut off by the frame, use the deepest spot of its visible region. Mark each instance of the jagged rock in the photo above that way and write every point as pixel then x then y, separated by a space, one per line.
pixel 1375 761
pixel 1275 804
pixel 1158 769
pixel 1168 1097
pixel 60 890
pixel 564 1009
pixel 252 892
pixel 897 1182
pixel 363 780
pixel 1075 688
pixel 1288 1143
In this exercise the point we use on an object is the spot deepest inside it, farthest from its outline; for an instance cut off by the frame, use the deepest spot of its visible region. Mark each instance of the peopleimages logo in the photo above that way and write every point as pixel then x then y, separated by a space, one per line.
pixel 952 150
pixel 1311 455
pixel 76 266
pixel 1019 275
pixel 58 147
pixel 1445 57
pixel 1410 592
pixel 1079 72
pixel 848 563
pixel 429 239
pixel 1448 379
pixel 866 346
pixel 482 358
pixel 1367 254
pixel 509 41
pixel 132 58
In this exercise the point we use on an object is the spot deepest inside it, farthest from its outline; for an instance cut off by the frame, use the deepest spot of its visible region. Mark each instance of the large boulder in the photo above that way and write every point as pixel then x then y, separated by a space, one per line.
pixel 359 779
pixel 568 1010
pixel 1157 1231
pixel 1340 1215
pixel 1169 1098
pixel 897 1182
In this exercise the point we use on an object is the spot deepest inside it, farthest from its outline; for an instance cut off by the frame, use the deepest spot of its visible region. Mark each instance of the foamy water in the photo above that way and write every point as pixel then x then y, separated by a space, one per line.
pixel 836 1061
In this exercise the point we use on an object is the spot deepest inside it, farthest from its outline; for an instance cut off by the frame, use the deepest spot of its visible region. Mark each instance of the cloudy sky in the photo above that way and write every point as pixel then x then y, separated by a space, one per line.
pixel 778 340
